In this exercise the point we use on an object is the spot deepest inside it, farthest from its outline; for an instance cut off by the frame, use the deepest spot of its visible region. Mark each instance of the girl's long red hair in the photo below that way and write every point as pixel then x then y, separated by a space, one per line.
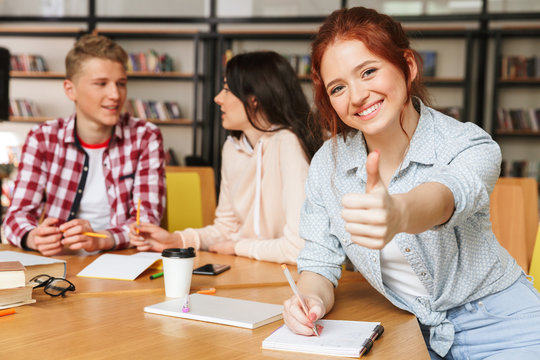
pixel 382 35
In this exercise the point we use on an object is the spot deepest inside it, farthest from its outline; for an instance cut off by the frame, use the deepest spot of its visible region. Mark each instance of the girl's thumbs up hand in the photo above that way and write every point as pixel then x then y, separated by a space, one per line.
pixel 373 218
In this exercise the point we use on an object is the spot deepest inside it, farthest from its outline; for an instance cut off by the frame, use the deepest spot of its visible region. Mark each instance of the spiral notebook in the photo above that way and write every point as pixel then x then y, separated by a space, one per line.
pixel 337 338
pixel 220 310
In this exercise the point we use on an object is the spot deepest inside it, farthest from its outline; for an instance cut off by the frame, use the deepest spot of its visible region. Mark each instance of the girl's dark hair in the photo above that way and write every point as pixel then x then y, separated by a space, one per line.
pixel 270 79
pixel 382 35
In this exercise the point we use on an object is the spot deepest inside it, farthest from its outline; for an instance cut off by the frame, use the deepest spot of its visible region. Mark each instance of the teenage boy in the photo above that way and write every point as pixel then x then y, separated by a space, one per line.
pixel 86 174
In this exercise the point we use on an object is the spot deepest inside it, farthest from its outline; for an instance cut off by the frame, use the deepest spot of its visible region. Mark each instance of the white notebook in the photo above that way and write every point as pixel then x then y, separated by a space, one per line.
pixel 120 267
pixel 220 310
pixel 338 338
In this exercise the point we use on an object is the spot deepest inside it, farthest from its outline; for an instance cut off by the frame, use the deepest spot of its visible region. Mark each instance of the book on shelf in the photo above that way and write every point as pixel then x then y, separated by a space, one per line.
pixel 337 338
pixel 150 109
pixel 170 158
pixel 16 296
pixel 453 111
pixel 36 264
pixel 520 67
pixel 429 59
pixel 11 274
pixel 521 168
pixel 23 107
pixel 301 63
pixel 518 119
pixel 28 63
pixel 150 61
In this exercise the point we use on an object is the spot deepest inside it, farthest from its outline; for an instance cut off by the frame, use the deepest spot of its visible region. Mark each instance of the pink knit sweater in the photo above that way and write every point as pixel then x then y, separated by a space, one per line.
pixel 263 223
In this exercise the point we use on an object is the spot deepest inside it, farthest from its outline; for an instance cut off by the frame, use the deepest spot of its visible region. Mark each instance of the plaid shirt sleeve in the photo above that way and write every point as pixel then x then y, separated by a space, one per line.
pixel 27 202
pixel 141 175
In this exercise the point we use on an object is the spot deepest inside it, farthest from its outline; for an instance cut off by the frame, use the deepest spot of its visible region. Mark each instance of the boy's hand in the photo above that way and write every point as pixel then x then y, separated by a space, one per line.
pixel 46 238
pixel 75 239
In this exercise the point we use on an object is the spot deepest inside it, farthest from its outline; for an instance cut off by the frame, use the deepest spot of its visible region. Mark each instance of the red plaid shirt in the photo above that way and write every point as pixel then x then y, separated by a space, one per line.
pixel 53 170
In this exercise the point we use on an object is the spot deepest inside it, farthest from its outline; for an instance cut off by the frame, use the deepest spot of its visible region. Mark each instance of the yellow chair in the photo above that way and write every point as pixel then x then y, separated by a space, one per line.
pixel 191 197
pixel 535 262
pixel 508 221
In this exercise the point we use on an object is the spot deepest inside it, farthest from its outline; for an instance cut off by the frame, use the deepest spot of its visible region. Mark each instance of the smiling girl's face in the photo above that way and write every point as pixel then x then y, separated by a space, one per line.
pixel 366 91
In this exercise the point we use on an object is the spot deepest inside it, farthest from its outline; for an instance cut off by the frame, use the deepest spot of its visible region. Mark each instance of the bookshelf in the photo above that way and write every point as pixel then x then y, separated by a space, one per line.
pixel 46 90
pixel 515 111
pixel 197 34
pixel 451 85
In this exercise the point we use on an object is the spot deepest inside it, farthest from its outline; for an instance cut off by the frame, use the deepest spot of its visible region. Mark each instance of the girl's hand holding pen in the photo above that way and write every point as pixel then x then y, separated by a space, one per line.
pixel 295 318
pixel 373 218
pixel 151 237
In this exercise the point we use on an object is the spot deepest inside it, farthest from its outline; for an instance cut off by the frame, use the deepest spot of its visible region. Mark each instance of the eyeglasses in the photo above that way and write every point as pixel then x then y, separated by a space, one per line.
pixel 52 286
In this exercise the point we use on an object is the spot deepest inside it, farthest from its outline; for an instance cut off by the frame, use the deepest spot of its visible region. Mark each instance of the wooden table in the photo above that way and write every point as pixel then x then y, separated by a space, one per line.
pixel 104 319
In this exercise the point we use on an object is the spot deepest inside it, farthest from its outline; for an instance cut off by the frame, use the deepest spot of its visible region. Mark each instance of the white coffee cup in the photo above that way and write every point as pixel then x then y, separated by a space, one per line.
pixel 177 271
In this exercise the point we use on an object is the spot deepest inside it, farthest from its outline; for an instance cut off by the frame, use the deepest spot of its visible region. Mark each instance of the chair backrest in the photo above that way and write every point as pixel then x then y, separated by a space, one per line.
pixel 529 187
pixel 508 220
pixel 535 262
pixel 191 197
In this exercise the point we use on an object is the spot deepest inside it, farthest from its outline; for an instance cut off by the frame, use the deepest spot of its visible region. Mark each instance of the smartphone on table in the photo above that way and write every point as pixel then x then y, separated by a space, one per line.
pixel 211 269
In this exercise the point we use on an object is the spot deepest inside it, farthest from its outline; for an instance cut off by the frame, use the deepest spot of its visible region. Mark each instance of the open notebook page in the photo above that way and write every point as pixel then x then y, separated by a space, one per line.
pixel 338 338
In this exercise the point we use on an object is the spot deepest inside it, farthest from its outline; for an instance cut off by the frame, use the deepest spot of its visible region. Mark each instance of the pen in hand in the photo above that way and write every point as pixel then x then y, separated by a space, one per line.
pixel 138 215
pixel 298 295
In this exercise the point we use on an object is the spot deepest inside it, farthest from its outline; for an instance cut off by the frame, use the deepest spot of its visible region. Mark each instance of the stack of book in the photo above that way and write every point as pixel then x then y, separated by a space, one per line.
pixel 13 289
pixel 36 264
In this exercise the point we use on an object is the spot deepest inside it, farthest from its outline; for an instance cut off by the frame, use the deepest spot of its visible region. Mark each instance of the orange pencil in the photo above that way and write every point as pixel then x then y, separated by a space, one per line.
pixel 138 214
pixel 93 234
pixel 7 312
pixel 103 236
pixel 211 291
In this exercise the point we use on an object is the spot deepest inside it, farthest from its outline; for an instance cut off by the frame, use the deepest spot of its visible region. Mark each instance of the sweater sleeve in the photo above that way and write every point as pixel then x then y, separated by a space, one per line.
pixel 294 168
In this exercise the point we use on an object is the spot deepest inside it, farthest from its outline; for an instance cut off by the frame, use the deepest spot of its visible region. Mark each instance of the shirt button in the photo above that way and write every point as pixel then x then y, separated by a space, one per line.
pixel 86 168
pixel 374 259
pixel 423 274
pixel 80 191
pixel 72 213
pixel 407 250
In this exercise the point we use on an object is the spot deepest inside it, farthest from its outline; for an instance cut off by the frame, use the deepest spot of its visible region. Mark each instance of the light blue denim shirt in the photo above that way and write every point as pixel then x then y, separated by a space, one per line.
pixel 457 262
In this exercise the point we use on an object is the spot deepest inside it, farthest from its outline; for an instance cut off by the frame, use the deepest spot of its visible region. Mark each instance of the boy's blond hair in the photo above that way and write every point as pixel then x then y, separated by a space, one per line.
pixel 93 46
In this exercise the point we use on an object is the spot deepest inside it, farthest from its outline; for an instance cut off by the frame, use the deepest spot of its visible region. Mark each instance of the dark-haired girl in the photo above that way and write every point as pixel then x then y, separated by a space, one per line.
pixel 264 165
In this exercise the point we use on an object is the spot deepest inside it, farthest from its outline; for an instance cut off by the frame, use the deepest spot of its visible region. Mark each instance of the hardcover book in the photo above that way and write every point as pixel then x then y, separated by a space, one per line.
pixel 11 274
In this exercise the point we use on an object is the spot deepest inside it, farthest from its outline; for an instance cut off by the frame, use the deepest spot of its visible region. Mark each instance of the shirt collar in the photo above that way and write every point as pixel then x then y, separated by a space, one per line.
pixel 118 132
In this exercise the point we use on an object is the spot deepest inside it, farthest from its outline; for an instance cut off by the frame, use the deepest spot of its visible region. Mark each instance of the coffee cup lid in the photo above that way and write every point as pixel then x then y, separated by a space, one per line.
pixel 178 253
